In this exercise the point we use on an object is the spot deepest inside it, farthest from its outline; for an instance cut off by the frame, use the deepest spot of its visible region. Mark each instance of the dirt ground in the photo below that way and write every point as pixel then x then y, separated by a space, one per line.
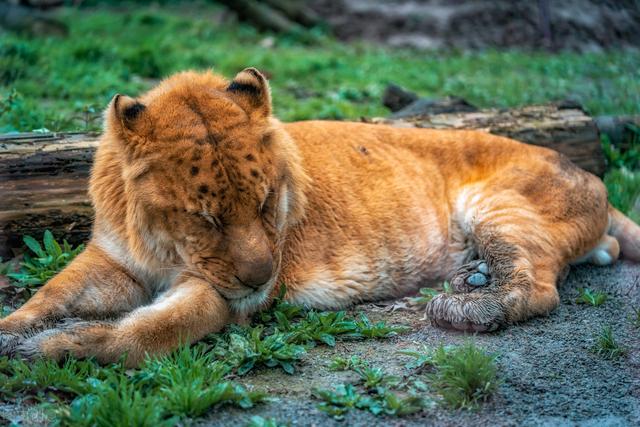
pixel 549 375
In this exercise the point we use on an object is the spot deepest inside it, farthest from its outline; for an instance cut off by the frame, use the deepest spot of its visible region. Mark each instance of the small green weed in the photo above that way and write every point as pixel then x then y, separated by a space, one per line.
pixel 594 298
pixel 371 377
pixel 606 345
pixel 283 334
pixel 346 363
pixel 425 295
pixel 366 329
pixel 321 327
pixel 287 335
pixel 421 358
pixel 377 396
pixel 635 317
pixel 447 289
pixel 464 375
pixel 43 263
pixel 258 421
pixel 254 348
pixel 44 376
pixel 345 397
pixel 339 401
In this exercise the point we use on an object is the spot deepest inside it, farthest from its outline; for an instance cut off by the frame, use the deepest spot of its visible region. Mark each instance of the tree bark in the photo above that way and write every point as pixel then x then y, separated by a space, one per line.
pixel 261 16
pixel 280 16
pixel 43 185
pixel 44 177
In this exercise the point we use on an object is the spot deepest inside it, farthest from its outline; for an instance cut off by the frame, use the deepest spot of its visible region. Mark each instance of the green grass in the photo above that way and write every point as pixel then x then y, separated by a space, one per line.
pixel 63 83
pixel 606 344
pixel 594 298
pixel 184 384
pixel 463 376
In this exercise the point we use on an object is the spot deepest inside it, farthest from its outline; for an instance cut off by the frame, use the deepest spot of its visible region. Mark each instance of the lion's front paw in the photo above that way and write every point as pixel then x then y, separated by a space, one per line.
pixel 75 338
pixel 471 312
pixel 472 276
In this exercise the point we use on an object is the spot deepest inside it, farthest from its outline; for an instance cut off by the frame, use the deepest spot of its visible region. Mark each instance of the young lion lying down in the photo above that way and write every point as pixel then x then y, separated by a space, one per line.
pixel 205 204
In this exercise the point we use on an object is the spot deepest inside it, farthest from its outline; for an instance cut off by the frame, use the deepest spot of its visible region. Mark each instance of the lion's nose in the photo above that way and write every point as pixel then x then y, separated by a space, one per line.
pixel 256 273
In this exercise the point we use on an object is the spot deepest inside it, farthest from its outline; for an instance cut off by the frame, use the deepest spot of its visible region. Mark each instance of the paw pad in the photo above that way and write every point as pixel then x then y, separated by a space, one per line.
pixel 477 279
pixel 471 276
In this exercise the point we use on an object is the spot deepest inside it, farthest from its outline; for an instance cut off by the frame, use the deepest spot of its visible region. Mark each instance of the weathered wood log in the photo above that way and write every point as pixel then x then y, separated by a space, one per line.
pixel 281 16
pixel 262 16
pixel 43 184
pixel 43 177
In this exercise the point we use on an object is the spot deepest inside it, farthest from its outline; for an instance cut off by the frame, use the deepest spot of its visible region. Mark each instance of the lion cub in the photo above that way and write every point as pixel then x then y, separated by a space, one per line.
pixel 205 204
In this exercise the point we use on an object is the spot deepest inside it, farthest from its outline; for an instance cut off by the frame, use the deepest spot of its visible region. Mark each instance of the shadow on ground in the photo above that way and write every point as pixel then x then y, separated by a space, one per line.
pixel 550 376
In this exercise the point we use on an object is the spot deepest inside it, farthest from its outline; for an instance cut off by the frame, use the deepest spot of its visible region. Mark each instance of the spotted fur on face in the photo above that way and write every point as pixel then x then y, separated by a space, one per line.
pixel 217 190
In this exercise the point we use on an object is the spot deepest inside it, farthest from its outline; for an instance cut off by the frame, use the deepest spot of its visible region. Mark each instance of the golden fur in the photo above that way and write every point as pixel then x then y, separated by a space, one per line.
pixel 205 204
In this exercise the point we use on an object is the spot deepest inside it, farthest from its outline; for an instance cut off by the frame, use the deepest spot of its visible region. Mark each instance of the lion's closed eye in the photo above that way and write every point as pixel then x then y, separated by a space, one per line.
pixel 210 219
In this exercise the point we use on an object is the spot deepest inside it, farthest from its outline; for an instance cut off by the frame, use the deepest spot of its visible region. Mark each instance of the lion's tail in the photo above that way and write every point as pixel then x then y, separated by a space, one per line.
pixel 626 232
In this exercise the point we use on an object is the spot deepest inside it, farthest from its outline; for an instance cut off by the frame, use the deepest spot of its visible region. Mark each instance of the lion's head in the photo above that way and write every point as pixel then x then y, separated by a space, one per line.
pixel 210 177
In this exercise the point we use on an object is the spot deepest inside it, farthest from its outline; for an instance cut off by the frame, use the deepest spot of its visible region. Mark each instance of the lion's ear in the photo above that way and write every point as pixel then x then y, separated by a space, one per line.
pixel 125 116
pixel 251 91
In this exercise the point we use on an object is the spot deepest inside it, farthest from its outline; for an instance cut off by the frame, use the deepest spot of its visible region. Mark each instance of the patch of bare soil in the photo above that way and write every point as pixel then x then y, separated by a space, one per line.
pixel 581 25
pixel 549 374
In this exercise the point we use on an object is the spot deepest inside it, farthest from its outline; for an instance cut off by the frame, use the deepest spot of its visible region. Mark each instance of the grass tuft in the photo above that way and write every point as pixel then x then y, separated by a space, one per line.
pixel 463 376
pixel 606 345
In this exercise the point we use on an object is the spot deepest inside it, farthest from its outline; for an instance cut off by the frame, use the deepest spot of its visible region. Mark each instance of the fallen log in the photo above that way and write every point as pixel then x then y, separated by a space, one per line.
pixel 43 185
pixel 281 16
pixel 43 177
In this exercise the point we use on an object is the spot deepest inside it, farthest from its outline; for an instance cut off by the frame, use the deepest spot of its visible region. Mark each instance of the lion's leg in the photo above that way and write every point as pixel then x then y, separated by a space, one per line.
pixel 92 286
pixel 185 313
pixel 514 279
